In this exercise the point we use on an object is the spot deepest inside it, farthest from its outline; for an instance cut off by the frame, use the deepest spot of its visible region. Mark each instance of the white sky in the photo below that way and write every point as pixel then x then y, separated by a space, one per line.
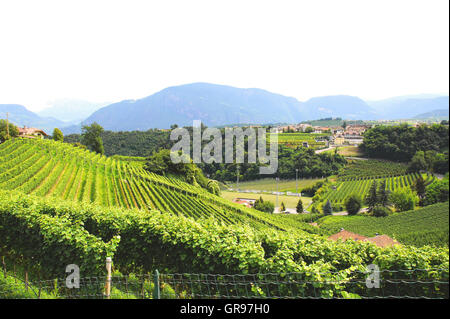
pixel 115 50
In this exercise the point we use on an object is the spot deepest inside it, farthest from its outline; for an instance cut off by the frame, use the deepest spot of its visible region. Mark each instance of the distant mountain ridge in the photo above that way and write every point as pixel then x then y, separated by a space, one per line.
pixel 212 104
pixel 71 110
pixel 217 105
pixel 435 114
pixel 404 108
pixel 221 105
pixel 20 116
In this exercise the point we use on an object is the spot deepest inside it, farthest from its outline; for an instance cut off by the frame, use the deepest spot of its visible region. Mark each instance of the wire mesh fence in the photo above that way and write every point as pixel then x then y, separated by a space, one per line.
pixel 399 284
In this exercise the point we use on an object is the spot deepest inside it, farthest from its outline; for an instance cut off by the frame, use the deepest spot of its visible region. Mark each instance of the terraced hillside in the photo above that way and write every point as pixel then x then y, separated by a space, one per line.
pixel 346 186
pixel 48 168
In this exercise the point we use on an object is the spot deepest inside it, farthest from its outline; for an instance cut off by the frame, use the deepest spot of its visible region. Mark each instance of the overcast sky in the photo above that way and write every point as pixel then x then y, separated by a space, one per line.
pixel 113 50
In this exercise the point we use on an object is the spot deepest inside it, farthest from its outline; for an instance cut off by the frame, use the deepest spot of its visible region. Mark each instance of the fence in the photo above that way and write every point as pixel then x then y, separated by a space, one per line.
pixel 387 284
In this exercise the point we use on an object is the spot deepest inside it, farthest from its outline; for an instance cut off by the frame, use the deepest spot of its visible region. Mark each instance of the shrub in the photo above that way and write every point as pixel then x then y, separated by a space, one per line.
pixel 404 199
pixel 380 211
pixel 264 206
pixel 353 204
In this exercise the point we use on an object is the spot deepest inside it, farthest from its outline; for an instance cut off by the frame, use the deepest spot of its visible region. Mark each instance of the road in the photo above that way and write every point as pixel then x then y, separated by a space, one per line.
pixel 325 149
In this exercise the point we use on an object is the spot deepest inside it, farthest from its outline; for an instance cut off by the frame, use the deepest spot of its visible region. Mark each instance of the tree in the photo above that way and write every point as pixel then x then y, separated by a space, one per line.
pixel 372 197
pixel 404 199
pixel 309 129
pixel 383 194
pixel 436 192
pixel 264 206
pixel 4 128
pixel 58 135
pixel 418 162
pixel 327 209
pixel 91 137
pixel 299 206
pixel 283 208
pixel 344 125
pixel 353 204
pixel 420 188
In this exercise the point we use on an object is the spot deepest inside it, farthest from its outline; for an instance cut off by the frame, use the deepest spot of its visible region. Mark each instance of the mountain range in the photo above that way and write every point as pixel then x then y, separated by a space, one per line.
pixel 217 105
pixel 20 116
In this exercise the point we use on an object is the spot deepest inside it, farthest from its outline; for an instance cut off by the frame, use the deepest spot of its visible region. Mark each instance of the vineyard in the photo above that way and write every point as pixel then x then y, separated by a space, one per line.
pixel 78 207
pixel 51 169
pixel 425 226
pixel 64 232
pixel 346 186
pixel 372 168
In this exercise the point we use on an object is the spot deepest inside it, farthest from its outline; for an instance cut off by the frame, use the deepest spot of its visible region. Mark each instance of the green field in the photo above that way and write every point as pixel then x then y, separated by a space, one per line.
pixel 349 151
pixel 289 201
pixel 270 184
pixel 297 139
pixel 428 225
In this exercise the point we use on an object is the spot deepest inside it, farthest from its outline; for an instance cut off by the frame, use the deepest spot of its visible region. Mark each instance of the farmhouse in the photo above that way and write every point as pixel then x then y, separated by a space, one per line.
pixel 31 132
pixel 248 202
pixel 379 240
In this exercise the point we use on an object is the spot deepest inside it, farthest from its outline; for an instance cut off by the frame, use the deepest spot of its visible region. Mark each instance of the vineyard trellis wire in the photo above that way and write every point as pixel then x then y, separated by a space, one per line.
pixel 393 284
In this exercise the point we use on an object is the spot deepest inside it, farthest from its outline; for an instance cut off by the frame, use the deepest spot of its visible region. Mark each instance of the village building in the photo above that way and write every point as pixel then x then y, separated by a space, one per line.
pixel 31 132
pixel 247 202
pixel 321 129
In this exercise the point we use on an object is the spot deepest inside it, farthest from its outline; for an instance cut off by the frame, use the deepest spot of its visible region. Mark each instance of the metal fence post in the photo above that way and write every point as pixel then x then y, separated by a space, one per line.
pixel 108 278
pixel 156 291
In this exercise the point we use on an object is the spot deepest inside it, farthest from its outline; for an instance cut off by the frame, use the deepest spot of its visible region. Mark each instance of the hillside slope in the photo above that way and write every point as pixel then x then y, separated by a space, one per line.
pixel 49 168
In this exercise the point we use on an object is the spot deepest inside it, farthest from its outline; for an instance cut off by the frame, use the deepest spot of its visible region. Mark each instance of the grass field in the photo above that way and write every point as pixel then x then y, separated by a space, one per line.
pixel 350 151
pixel 297 139
pixel 289 201
pixel 428 225
pixel 347 150
pixel 269 184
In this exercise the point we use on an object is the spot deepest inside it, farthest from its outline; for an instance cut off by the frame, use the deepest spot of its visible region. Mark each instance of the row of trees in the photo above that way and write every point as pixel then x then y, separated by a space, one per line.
pixel 403 142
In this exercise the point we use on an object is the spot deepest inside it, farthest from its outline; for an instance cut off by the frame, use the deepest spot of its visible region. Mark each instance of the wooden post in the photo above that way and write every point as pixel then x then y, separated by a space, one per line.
pixel 7 125
pixel 108 278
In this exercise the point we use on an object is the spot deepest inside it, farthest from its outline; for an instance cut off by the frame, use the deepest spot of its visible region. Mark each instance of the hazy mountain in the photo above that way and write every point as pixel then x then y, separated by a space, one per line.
pixel 435 114
pixel 217 105
pixel 71 110
pixel 344 106
pixel 409 107
pixel 20 116
pixel 212 104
